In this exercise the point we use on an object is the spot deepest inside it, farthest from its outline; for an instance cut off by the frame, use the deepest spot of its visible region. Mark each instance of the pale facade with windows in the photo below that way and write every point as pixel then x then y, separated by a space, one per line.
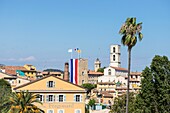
pixel 115 56
pixel 15 81
pixel 57 95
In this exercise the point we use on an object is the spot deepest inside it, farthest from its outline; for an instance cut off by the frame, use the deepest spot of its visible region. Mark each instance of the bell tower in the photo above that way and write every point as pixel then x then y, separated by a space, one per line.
pixel 115 56
pixel 97 65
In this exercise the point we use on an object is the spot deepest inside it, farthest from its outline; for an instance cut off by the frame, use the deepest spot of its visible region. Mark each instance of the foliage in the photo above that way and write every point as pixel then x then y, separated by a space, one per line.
pixel 101 70
pixel 154 96
pixel 86 110
pixel 53 70
pixel 5 91
pixel 23 102
pixel 91 102
pixel 120 104
pixel 130 30
pixel 89 86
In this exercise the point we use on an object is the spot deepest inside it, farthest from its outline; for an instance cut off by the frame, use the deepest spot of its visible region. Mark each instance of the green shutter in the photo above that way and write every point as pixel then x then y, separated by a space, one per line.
pixel 48 84
pixel 74 98
pixel 54 98
pixel 64 98
pixel 81 98
pixel 53 84
pixel 43 98
pixel 47 98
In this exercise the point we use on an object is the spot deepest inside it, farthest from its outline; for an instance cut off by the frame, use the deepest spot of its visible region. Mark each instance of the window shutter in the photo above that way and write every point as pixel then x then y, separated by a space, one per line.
pixel 48 84
pixel 74 98
pixel 81 98
pixel 53 84
pixel 64 97
pixel 43 98
pixel 54 98
pixel 47 98
pixel 57 98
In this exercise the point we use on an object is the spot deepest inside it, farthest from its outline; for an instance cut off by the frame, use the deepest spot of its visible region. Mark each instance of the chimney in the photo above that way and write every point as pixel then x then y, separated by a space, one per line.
pixel 66 72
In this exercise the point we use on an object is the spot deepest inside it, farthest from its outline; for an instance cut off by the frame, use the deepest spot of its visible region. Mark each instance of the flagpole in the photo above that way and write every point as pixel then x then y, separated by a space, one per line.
pixel 71 55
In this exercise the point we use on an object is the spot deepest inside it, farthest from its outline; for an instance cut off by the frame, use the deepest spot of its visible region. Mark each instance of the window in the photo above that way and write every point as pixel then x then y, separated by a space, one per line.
pixel 60 111
pixel 82 73
pixel 82 81
pixel 109 72
pixel 77 111
pixel 113 57
pixel 50 98
pixel 50 84
pixel 61 98
pixel 41 98
pixel 78 98
pixel 50 111
pixel 113 49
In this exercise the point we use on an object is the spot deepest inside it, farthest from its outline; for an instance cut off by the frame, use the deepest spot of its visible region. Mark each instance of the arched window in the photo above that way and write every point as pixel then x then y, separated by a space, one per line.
pixel 109 72
pixel 113 49
pixel 113 57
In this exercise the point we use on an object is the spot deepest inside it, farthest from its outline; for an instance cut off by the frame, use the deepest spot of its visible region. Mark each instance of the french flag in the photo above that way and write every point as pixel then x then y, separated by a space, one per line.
pixel 74 71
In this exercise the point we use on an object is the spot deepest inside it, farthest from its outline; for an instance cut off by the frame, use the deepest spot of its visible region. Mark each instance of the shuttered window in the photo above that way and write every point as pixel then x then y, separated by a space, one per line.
pixel 50 98
pixel 78 98
pixel 61 98
pixel 50 84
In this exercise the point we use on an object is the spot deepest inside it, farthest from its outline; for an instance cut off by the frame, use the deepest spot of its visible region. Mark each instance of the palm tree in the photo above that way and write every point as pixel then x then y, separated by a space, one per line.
pixel 130 31
pixel 23 102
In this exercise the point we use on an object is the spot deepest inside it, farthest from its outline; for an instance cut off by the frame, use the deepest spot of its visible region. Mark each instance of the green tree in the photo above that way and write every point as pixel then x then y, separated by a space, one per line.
pixel 119 105
pixel 89 86
pixel 154 96
pixel 23 102
pixel 130 30
pixel 5 91
pixel 101 70
pixel 91 103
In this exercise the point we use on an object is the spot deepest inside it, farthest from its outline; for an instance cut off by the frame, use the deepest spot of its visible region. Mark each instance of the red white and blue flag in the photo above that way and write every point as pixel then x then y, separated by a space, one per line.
pixel 74 71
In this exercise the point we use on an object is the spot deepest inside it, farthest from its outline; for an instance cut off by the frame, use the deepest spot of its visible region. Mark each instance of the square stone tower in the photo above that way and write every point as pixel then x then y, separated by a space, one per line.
pixel 83 71
pixel 115 56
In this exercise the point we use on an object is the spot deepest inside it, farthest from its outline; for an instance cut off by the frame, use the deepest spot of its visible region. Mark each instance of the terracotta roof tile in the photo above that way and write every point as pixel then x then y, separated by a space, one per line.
pixel 11 70
pixel 106 94
pixel 95 73
pixel 119 68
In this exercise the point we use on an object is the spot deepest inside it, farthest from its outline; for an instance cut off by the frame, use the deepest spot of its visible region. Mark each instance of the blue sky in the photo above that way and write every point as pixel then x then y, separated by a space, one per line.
pixel 40 32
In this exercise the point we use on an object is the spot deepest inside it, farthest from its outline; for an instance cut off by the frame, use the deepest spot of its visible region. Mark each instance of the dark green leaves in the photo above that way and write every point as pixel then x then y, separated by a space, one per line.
pixel 130 31
pixel 154 96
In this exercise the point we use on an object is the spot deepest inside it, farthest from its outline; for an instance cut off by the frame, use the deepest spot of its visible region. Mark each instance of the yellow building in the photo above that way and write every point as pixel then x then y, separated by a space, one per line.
pixel 30 71
pixel 57 95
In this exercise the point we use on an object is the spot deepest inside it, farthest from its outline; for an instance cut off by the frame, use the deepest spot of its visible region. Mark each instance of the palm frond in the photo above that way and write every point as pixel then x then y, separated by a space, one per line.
pixel 123 39
pixel 140 36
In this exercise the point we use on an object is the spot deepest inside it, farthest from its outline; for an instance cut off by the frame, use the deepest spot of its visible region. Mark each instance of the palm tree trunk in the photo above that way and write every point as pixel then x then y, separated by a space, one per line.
pixel 129 63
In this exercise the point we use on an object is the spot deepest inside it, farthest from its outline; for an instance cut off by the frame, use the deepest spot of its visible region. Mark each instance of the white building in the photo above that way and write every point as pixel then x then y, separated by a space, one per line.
pixel 114 69
pixel 115 56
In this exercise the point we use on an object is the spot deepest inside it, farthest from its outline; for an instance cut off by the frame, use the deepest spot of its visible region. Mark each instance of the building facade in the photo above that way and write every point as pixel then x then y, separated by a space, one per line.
pixel 93 76
pixel 97 65
pixel 83 71
pixel 115 56
pixel 57 95
pixel 15 81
